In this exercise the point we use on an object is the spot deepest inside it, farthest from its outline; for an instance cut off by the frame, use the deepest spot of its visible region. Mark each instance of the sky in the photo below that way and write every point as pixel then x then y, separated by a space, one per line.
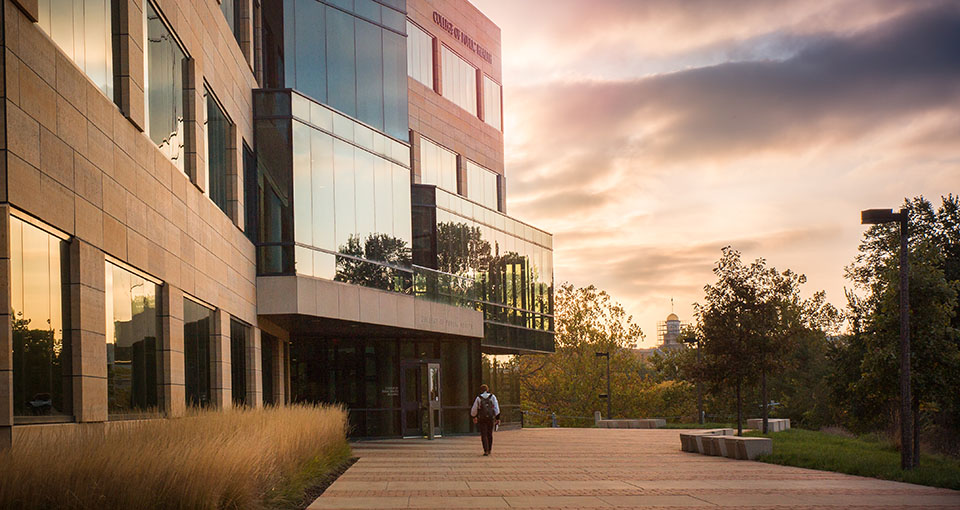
pixel 648 134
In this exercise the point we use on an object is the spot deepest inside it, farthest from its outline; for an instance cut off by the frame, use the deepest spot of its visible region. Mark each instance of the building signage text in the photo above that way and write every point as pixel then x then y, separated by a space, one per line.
pixel 461 36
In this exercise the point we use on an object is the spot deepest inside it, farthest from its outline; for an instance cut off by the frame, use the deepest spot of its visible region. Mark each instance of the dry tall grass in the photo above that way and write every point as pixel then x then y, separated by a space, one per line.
pixel 209 460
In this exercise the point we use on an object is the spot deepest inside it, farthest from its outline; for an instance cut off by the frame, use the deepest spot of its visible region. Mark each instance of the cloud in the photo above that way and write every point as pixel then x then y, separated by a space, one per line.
pixel 836 90
pixel 764 125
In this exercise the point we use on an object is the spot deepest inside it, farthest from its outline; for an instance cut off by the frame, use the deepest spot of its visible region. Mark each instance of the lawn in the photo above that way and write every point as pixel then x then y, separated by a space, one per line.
pixel 865 456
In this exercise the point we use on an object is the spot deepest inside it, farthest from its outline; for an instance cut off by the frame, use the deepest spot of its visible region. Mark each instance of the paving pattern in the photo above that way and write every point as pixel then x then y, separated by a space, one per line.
pixel 598 468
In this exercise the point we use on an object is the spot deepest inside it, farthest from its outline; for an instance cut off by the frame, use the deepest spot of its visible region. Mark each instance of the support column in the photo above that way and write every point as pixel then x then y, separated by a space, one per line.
pixel 220 383
pixel 6 334
pixel 171 325
pixel 415 165
pixel 128 67
pixel 254 383
pixel 87 333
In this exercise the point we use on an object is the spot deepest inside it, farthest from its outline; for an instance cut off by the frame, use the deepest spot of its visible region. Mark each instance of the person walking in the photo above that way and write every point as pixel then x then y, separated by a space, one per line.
pixel 486 414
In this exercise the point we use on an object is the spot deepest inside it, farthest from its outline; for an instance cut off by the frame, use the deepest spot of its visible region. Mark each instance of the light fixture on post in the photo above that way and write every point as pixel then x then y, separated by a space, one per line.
pixel 877 217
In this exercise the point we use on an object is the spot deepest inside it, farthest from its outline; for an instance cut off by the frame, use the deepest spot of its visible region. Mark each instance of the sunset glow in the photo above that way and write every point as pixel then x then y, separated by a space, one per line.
pixel 648 135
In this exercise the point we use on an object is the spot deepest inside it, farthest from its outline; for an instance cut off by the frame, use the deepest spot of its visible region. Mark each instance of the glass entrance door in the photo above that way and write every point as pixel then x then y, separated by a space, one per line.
pixel 420 399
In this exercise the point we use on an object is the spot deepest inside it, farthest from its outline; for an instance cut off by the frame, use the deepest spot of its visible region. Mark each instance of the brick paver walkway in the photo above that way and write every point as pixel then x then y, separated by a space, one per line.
pixel 597 468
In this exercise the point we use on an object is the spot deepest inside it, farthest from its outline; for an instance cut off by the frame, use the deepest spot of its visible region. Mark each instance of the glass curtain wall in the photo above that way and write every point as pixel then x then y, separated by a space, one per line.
pixel 501 375
pixel 41 356
pixel 83 31
pixel 164 88
pixel 459 81
pixel 364 375
pixel 133 349
pixel 345 214
pixel 419 55
pixel 218 128
pixel 491 103
pixel 482 186
pixel 197 324
pixel 438 165
pixel 350 55
pixel 507 264
pixel 238 361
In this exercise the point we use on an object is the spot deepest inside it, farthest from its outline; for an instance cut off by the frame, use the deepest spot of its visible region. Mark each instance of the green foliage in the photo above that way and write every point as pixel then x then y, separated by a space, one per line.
pixel 752 323
pixel 857 456
pixel 865 378
pixel 569 381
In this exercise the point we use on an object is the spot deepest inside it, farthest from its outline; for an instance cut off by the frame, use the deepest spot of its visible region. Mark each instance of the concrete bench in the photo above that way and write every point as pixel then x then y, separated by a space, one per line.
pixel 746 448
pixel 654 423
pixel 722 443
pixel 773 424
pixel 693 441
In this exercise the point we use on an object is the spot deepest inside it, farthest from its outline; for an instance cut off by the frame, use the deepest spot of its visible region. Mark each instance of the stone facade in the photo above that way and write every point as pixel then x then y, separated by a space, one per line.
pixel 79 161
pixel 438 118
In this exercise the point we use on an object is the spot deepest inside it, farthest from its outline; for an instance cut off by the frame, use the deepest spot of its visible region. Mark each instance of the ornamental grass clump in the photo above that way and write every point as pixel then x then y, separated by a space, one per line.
pixel 210 459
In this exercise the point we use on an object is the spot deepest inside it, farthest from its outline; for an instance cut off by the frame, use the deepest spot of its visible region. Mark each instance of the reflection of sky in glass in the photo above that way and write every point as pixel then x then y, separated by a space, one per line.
pixel 82 30
pixel 35 277
pixel 127 296
pixel 164 88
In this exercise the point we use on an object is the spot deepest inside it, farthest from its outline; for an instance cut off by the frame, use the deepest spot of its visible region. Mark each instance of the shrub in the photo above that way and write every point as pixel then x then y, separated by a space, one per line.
pixel 211 459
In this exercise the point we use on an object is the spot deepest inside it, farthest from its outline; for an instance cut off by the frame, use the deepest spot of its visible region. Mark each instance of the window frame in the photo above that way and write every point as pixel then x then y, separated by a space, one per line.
pixel 230 151
pixel 182 164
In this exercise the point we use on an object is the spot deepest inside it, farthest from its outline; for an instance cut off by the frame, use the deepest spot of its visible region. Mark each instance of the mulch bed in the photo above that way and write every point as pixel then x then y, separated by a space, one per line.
pixel 314 491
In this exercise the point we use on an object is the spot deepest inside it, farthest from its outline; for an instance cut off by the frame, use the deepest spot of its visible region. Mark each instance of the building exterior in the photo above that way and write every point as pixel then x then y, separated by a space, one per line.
pixel 242 202
pixel 668 332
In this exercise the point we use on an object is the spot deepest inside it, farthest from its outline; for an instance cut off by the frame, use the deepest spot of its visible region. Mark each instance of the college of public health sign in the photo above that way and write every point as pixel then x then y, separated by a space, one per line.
pixel 461 36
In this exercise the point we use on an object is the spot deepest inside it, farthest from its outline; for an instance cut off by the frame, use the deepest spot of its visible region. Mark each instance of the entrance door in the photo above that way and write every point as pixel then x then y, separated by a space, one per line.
pixel 420 399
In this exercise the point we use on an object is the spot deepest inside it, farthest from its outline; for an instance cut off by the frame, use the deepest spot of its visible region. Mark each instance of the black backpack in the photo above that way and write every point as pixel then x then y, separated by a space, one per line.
pixel 486 412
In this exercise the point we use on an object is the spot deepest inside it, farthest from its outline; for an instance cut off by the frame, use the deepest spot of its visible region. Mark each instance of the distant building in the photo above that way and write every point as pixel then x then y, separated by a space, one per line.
pixel 669 331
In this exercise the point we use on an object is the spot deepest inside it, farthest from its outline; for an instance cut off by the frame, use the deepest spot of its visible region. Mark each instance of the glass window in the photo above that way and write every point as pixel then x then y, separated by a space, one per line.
pixel 197 322
pixel 268 344
pixel 481 185
pixel 164 89
pixel 133 361
pixel 438 166
pixel 419 55
pixel 232 10
pixel 83 31
pixel 459 81
pixel 250 194
pixel 369 73
pixel 41 358
pixel 396 122
pixel 491 103
pixel 341 62
pixel 238 362
pixel 218 150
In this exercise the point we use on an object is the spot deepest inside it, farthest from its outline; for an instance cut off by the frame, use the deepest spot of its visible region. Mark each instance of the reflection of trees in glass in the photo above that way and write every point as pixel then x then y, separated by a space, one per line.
pixel 379 247
pixel 461 249
pixel 509 279
pixel 132 361
pixel 37 370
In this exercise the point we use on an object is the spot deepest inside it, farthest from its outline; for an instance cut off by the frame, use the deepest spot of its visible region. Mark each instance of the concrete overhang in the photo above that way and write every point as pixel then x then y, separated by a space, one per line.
pixel 291 295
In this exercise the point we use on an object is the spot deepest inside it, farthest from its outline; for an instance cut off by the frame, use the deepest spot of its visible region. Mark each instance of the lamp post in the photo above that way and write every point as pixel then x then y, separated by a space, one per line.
pixel 607 396
pixel 875 217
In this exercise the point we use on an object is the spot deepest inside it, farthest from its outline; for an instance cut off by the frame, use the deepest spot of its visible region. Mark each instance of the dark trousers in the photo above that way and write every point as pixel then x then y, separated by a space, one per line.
pixel 486 434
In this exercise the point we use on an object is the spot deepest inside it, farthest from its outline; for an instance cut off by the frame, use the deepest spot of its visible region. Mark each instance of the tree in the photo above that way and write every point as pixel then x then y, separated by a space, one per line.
pixel 750 324
pixel 934 254
pixel 569 381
